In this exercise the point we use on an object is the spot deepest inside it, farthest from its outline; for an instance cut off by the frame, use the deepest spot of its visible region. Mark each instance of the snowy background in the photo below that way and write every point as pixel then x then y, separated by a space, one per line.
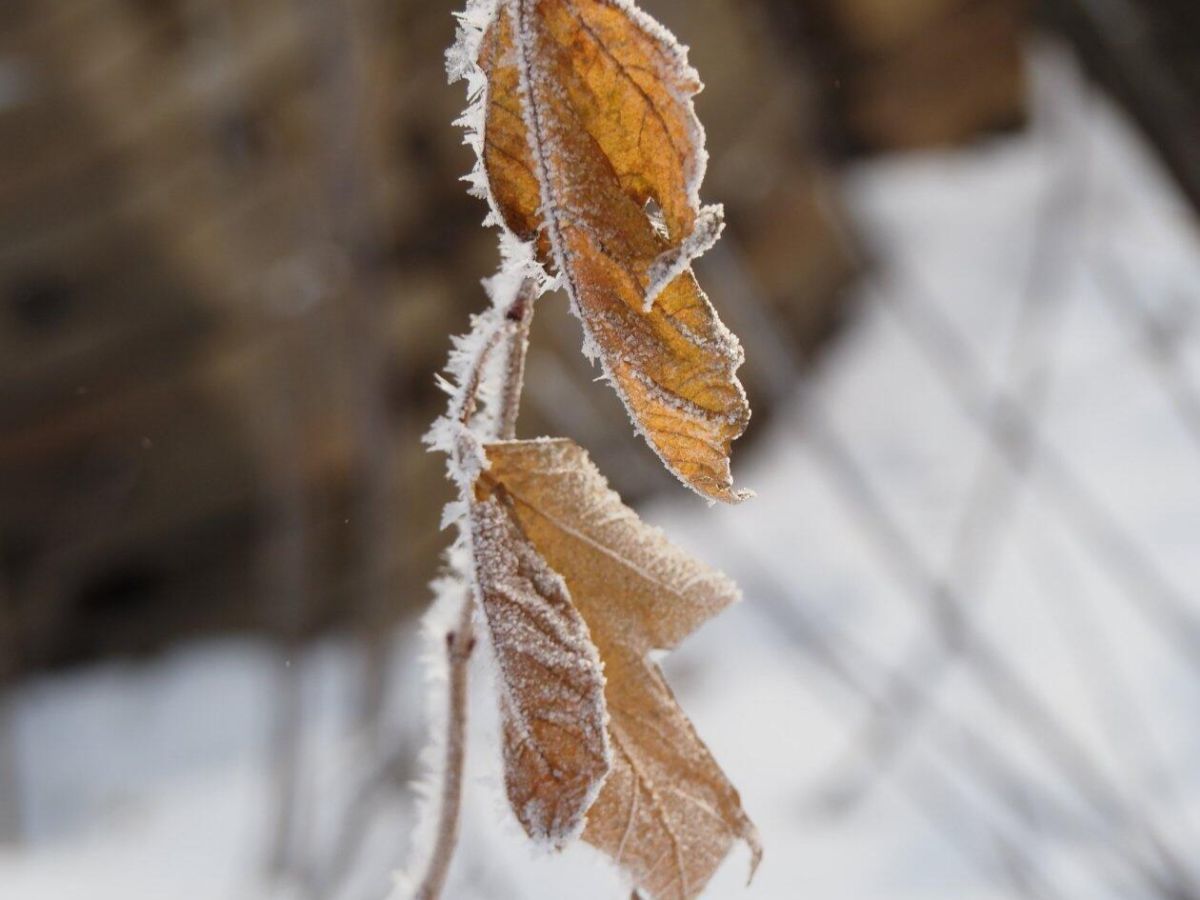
pixel 966 664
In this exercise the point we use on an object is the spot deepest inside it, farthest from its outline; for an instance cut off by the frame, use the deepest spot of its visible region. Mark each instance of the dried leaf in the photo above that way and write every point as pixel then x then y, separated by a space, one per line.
pixel 666 812
pixel 551 685
pixel 588 119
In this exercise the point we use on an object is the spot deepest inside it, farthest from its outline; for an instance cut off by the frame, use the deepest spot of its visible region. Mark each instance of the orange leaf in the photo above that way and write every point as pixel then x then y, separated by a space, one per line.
pixel 551 685
pixel 666 813
pixel 589 118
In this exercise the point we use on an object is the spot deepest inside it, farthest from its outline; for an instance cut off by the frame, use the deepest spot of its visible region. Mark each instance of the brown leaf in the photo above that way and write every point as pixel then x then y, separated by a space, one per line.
pixel 666 812
pixel 588 118
pixel 551 685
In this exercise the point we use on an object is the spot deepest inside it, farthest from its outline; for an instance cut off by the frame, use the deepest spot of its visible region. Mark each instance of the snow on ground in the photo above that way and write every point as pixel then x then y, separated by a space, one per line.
pixel 148 782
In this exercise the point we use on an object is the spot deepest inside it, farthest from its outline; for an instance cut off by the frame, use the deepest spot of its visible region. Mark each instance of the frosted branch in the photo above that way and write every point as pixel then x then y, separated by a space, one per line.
pixel 460 643
pixel 488 369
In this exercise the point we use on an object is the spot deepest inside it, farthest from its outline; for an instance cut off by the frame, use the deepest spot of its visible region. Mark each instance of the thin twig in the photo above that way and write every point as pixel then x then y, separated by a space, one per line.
pixel 459 645
pixel 1156 338
pixel 10 791
pixel 10 794
pixel 1129 725
pixel 520 313
pixel 389 775
pixel 286 551
pixel 356 227
pixel 514 330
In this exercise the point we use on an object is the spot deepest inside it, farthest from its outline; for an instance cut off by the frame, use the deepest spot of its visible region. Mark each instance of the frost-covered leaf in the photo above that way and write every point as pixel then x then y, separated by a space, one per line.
pixel 588 118
pixel 666 813
pixel 549 679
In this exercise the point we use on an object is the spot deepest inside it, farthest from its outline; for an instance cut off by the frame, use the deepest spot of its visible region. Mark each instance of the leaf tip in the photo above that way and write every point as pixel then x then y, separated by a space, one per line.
pixel 725 493
pixel 750 837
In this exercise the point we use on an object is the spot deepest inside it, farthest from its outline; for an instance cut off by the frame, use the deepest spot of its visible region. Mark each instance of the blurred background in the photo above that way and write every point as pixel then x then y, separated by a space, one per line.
pixel 962 255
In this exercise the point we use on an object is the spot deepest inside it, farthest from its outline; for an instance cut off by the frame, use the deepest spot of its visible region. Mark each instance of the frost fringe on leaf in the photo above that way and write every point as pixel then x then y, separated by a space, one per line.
pixel 462 64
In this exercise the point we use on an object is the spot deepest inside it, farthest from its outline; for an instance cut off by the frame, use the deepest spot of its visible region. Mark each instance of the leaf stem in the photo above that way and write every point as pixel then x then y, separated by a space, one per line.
pixel 513 330
pixel 520 314
pixel 459 645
